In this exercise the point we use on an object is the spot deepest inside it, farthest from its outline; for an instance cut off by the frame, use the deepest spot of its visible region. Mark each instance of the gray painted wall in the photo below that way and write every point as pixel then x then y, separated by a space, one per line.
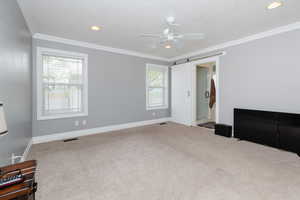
pixel 15 79
pixel 116 91
pixel 262 74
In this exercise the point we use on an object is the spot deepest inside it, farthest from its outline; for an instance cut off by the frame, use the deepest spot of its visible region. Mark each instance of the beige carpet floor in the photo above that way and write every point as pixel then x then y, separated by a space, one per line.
pixel 169 162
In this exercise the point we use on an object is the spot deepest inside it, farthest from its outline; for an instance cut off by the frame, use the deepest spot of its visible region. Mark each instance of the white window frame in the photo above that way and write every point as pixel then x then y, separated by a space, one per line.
pixel 166 94
pixel 39 71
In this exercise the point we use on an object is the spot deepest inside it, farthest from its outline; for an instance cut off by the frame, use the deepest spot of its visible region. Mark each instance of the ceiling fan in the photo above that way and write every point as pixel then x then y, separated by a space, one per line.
pixel 171 37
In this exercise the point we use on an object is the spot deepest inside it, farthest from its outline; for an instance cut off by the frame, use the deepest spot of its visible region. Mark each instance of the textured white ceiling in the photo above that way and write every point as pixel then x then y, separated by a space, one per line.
pixel 123 21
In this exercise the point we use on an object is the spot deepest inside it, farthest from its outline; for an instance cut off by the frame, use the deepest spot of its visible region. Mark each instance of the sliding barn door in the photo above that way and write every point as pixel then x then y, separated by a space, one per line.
pixel 181 94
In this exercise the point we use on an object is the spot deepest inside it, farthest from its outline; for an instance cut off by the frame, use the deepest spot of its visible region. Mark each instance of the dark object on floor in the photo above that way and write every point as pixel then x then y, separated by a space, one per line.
pixel 24 190
pixel 223 130
pixel 210 125
pixel 163 123
pixel 71 139
pixel 275 129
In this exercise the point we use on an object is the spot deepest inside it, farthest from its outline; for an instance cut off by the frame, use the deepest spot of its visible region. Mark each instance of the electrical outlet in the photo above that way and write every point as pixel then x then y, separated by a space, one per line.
pixel 14 158
pixel 84 122
pixel 154 114
pixel 76 123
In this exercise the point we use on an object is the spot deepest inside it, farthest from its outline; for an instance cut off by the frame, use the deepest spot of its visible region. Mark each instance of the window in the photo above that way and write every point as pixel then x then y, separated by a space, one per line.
pixel 61 84
pixel 156 87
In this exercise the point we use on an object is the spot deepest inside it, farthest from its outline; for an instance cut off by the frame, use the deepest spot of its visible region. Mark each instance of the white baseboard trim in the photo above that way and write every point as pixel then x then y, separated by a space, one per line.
pixel 85 132
pixel 25 154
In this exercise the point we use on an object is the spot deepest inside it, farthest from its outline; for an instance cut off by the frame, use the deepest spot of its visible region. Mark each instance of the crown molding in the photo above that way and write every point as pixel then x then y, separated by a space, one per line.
pixel 275 31
pixel 51 38
pixel 265 34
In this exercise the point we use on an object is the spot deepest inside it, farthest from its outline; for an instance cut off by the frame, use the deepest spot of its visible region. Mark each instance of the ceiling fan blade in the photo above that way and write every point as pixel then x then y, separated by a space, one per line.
pixel 151 35
pixel 163 41
pixel 152 46
pixel 173 24
pixel 193 36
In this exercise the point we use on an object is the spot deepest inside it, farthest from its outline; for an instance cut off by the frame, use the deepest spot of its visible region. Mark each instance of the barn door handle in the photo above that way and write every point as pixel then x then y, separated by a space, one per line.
pixel 188 93
pixel 207 95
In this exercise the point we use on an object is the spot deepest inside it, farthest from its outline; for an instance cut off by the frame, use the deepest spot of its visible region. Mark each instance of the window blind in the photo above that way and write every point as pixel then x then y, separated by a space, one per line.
pixel 62 85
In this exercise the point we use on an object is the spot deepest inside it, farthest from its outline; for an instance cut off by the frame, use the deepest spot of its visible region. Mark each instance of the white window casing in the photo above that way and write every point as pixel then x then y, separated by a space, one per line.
pixel 62 84
pixel 157 90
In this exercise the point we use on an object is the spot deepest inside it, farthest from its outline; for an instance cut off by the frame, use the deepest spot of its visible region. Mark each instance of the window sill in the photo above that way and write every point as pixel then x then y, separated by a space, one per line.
pixel 61 116
pixel 157 108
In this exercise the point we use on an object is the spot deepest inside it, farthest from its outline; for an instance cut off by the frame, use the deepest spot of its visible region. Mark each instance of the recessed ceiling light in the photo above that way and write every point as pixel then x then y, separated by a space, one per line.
pixel 95 28
pixel 168 46
pixel 274 4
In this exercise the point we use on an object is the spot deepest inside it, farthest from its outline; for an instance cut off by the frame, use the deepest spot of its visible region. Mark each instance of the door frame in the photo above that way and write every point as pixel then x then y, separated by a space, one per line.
pixel 193 65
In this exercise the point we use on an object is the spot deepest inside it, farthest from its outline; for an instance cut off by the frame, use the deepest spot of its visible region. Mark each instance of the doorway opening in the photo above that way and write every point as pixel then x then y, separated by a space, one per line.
pixel 206 95
pixel 184 92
